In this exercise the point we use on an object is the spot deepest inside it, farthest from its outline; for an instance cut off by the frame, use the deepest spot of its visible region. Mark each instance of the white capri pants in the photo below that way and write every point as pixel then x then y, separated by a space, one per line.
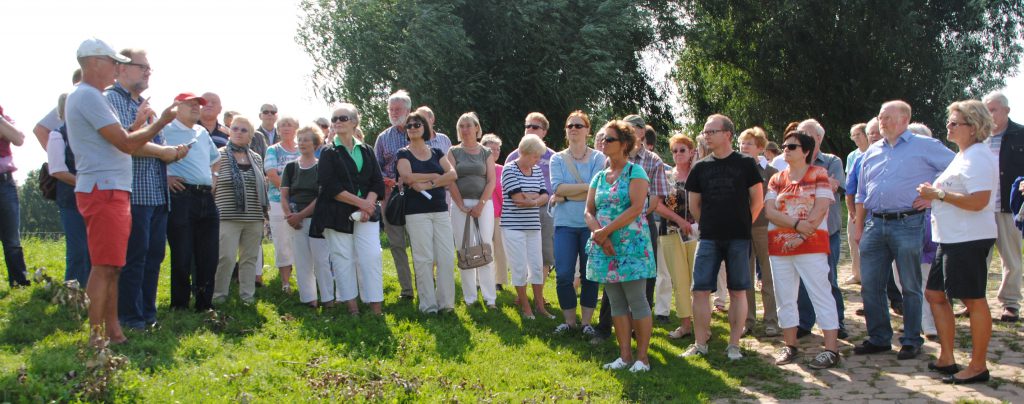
pixel 525 258
pixel 281 233
pixel 357 264
pixel 312 265
pixel 430 235
pixel 812 269
pixel 484 276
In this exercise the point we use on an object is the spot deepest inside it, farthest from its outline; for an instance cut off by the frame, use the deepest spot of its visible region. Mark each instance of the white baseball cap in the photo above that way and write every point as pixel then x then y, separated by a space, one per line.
pixel 96 47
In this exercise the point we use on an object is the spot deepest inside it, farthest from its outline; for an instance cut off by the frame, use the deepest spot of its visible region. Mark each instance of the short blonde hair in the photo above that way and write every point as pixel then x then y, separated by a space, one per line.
pixel 756 134
pixel 241 120
pixel 472 118
pixel 532 145
pixel 286 120
pixel 314 131
pixel 976 115
pixel 539 117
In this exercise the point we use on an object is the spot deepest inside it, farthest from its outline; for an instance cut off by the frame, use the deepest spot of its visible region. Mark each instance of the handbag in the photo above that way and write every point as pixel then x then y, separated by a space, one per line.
pixel 394 211
pixel 477 255
pixel 47 183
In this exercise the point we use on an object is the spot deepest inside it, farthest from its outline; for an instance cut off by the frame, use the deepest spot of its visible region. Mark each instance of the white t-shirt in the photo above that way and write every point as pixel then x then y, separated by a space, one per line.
pixel 972 170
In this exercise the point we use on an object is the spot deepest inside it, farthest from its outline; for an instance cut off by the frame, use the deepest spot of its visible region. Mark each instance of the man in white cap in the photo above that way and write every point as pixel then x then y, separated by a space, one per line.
pixel 103 158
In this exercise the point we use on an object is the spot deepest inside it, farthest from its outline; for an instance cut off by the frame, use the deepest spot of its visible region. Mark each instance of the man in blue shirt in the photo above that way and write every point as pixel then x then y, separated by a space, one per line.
pixel 890 172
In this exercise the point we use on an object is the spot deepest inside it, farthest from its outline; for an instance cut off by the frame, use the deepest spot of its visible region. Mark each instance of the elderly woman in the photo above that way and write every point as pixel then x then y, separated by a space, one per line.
pixel 426 172
pixel 240 195
pixel 963 225
pixel 61 162
pixel 493 142
pixel 674 233
pixel 619 251
pixel 299 189
pixel 571 172
pixel 524 193
pixel 471 199
pixel 798 244
pixel 278 156
pixel 347 213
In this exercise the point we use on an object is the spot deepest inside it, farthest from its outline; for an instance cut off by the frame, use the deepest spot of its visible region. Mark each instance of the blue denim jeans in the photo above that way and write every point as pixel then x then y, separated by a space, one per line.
pixel 803 301
pixel 708 261
pixel 885 241
pixel 76 260
pixel 570 249
pixel 136 291
pixel 10 236
pixel 193 233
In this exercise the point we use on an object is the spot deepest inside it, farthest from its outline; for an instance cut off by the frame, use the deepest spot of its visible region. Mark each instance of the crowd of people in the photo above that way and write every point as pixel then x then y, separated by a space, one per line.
pixel 731 211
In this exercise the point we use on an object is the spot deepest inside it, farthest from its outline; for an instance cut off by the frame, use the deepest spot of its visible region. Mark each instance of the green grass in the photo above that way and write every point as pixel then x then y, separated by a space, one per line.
pixel 279 350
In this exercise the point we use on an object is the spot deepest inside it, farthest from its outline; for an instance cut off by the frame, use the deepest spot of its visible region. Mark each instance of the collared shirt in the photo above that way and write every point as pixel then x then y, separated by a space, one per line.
pixel 219 135
pixel 850 160
pixel 391 140
pixel 654 167
pixel 995 142
pixel 834 166
pixel 890 174
pixel 195 167
pixel 149 174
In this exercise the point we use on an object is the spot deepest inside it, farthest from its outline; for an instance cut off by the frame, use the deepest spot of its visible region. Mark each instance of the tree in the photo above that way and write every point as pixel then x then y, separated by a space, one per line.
pixel 38 214
pixel 769 62
pixel 500 59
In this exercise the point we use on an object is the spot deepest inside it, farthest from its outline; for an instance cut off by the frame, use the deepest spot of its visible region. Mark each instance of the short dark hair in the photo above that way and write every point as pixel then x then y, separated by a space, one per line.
pixel 76 76
pixel 624 131
pixel 806 143
pixel 428 132
pixel 650 137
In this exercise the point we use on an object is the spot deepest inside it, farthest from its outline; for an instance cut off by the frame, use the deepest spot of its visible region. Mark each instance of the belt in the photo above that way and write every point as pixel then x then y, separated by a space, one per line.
pixel 199 189
pixel 6 177
pixel 897 215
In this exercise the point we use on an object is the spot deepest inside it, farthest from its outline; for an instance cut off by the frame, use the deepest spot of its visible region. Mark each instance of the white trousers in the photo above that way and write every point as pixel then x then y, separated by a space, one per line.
pixel 662 287
pixel 312 265
pixel 281 232
pixel 430 235
pixel 482 276
pixel 525 258
pixel 812 269
pixel 358 269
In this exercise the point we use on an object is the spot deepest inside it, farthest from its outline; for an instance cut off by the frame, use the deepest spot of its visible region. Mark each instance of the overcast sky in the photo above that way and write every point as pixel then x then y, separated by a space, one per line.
pixel 243 50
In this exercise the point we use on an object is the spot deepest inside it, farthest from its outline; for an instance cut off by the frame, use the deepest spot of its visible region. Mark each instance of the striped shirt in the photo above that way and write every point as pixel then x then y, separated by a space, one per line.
pixel 225 196
pixel 514 181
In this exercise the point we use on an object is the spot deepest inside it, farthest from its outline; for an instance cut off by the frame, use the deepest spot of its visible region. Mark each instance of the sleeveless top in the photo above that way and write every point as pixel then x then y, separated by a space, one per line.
pixel 472 171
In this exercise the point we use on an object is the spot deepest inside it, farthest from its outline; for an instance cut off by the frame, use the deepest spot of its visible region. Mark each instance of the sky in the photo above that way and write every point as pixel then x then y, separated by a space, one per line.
pixel 245 51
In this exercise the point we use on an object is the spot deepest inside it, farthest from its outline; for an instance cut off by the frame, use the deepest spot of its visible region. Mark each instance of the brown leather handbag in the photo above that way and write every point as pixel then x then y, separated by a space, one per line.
pixel 477 255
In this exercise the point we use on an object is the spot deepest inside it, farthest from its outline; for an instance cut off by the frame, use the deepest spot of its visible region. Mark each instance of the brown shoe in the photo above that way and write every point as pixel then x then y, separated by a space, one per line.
pixel 1010 315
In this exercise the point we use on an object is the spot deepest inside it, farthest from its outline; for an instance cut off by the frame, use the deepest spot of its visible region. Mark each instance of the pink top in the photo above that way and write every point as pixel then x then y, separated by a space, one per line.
pixel 496 197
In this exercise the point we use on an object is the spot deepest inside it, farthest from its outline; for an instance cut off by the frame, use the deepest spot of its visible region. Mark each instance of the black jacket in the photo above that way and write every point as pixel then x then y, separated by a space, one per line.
pixel 1011 162
pixel 336 173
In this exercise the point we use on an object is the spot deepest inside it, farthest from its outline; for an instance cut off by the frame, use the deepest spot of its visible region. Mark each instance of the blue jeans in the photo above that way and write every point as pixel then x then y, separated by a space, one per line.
pixel 76 260
pixel 193 233
pixel 803 301
pixel 136 291
pixel 885 241
pixel 708 260
pixel 570 249
pixel 10 223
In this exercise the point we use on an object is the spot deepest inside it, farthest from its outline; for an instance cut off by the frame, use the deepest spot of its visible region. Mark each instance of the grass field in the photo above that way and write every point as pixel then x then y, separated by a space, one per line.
pixel 279 350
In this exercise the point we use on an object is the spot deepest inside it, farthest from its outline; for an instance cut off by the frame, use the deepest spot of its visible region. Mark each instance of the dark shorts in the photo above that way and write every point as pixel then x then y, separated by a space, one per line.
pixel 710 255
pixel 960 269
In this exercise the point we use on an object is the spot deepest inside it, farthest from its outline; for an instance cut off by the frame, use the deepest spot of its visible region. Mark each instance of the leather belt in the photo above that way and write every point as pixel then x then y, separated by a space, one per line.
pixel 897 215
pixel 199 189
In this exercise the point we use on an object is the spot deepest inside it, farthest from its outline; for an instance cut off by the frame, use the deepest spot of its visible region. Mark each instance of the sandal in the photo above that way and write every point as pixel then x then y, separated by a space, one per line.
pixel 679 333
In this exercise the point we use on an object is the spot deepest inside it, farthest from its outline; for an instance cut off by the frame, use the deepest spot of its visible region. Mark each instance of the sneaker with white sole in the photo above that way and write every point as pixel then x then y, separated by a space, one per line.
pixel 589 330
pixel 826 359
pixel 563 329
pixel 785 355
pixel 733 352
pixel 639 367
pixel 695 350
pixel 618 364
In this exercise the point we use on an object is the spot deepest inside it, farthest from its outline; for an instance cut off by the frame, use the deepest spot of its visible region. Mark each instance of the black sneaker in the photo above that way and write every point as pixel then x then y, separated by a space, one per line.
pixel 826 359
pixel 867 348
pixel 800 332
pixel 785 355
pixel 908 352
pixel 843 334
pixel 662 319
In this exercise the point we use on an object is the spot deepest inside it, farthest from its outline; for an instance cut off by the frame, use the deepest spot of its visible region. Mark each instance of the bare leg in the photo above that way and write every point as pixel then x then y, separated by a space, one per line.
pixel 588 314
pixel 737 315
pixel 353 306
pixel 942 311
pixel 981 333
pixel 702 315
pixel 789 336
pixel 643 338
pixel 100 280
pixel 286 275
pixel 570 317
pixel 523 301
pixel 831 339
pixel 622 335
pixel 377 308
pixel 113 325
pixel 538 300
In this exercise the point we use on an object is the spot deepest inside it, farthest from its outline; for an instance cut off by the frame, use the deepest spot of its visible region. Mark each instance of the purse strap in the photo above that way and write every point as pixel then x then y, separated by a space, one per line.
pixel 466 231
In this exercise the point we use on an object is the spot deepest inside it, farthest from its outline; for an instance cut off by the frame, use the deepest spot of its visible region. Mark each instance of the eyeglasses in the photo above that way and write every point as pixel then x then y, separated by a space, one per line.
pixel 325 127
pixel 145 68
pixel 608 139
pixel 710 132
pixel 269 112
pixel 575 126
pixel 239 129
pixel 790 146
pixel 340 118
pixel 680 150
pixel 956 124
pixel 532 126
pixel 413 125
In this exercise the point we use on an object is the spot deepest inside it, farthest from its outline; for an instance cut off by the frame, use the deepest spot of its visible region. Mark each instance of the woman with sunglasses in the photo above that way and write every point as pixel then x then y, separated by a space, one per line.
pixel 572 170
pixel 676 228
pixel 425 172
pixel 239 190
pixel 796 206
pixel 278 156
pixel 347 214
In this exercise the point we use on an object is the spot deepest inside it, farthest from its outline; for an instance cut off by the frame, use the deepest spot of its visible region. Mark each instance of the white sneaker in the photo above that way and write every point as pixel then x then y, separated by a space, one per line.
pixel 733 352
pixel 563 328
pixel 618 364
pixel 695 350
pixel 639 367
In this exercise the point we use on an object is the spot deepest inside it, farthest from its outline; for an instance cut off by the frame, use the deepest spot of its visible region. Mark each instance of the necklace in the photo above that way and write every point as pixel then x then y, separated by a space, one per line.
pixel 581 158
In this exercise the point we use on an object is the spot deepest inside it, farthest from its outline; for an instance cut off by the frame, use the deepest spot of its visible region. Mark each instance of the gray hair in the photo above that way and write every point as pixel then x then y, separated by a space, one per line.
pixel 490 138
pixel 919 128
pixel 350 109
pixel 815 124
pixel 532 145
pixel 401 96
pixel 872 122
pixel 286 120
pixel 996 95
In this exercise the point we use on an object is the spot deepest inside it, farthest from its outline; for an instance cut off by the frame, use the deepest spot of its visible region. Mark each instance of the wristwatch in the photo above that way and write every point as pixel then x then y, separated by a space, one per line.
pixel 941 194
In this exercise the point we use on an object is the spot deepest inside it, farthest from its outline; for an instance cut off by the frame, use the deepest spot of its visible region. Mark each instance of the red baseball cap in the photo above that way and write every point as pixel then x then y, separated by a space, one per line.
pixel 190 96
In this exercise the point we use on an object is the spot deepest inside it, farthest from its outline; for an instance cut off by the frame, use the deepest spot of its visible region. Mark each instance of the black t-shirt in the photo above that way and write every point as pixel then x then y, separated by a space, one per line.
pixel 723 185
pixel 415 202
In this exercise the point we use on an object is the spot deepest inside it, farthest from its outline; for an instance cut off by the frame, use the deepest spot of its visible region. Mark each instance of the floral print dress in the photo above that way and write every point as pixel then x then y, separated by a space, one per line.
pixel 634 257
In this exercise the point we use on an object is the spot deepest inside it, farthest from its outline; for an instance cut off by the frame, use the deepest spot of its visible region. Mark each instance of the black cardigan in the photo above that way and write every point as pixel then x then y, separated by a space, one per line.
pixel 337 173
pixel 1011 163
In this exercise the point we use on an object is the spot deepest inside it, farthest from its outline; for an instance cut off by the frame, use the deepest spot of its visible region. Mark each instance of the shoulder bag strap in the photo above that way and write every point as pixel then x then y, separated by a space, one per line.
pixel 571 164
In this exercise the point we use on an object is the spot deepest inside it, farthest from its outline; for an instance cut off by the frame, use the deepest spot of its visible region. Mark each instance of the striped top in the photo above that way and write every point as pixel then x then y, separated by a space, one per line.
pixel 225 196
pixel 514 181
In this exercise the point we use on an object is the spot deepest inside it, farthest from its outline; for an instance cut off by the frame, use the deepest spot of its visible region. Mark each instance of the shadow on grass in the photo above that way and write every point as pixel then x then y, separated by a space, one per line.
pixel 30 317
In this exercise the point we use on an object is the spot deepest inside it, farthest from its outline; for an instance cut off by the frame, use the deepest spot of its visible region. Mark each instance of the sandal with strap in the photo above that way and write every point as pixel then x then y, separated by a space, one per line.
pixel 679 333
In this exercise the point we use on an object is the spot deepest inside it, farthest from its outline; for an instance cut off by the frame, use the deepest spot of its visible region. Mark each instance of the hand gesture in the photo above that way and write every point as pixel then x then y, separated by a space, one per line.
pixel 176 184
pixel 144 114
pixel 169 113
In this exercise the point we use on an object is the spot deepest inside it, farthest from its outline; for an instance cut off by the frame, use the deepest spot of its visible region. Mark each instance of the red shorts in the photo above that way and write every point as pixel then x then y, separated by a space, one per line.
pixel 108 223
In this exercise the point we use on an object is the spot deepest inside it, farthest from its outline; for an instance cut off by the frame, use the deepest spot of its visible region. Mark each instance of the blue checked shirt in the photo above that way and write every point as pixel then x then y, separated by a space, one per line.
pixel 390 140
pixel 149 174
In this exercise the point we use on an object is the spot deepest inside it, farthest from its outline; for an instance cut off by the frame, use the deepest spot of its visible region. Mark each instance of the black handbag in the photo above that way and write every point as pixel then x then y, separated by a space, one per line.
pixel 394 211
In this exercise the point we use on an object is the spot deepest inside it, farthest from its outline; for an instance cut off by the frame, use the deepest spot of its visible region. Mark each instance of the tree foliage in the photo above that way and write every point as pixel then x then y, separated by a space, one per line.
pixel 38 215
pixel 500 59
pixel 769 62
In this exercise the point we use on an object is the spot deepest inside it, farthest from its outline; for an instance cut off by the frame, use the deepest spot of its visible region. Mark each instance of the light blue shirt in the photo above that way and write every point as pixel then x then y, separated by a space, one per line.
pixel 890 174
pixel 570 213
pixel 99 163
pixel 195 167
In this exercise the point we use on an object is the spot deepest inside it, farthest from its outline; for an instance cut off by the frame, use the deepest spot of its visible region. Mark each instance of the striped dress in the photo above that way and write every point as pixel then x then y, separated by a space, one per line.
pixel 514 181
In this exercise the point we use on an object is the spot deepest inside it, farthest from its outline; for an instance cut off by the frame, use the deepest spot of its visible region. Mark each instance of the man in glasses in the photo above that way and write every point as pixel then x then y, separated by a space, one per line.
pixel 386 147
pixel 266 133
pixel 210 108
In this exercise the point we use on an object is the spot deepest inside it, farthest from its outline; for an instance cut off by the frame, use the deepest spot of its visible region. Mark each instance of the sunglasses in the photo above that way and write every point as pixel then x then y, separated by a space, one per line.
pixel 239 129
pixel 340 118
pixel 269 112
pixel 790 146
pixel 532 126
pixel 956 124
pixel 608 139
pixel 413 125
pixel 575 126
